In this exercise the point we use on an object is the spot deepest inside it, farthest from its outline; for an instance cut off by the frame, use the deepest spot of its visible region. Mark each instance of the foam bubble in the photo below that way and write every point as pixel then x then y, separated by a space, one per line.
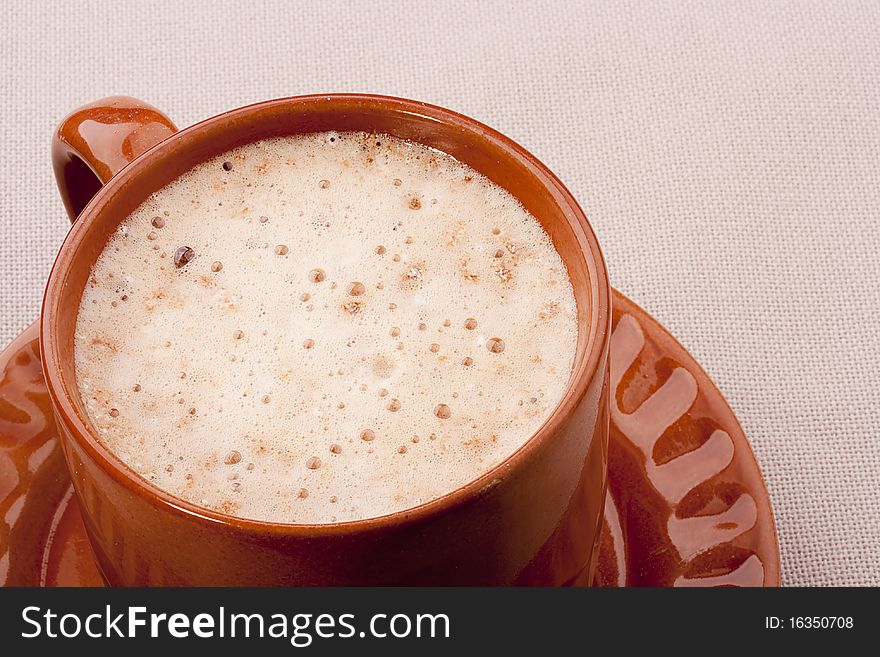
pixel 443 411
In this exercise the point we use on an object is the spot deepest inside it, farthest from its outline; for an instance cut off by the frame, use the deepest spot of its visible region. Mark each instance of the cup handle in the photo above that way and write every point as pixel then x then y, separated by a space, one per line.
pixel 95 141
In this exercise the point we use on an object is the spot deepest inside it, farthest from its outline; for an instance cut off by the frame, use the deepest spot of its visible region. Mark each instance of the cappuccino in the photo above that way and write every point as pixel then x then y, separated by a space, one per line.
pixel 324 328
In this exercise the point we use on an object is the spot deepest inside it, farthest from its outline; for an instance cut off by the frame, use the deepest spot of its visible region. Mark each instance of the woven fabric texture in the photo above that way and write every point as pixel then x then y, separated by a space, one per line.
pixel 728 155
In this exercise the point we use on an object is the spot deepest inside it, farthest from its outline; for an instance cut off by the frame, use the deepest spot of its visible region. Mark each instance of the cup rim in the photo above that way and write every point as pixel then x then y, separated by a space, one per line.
pixel 588 358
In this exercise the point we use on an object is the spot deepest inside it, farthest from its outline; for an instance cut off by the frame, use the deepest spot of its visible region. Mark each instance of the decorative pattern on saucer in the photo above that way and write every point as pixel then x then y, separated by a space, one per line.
pixel 686 504
pixel 42 538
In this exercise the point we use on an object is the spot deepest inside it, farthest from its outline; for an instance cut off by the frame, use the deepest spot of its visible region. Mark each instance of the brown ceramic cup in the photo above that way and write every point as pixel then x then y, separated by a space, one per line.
pixel 534 519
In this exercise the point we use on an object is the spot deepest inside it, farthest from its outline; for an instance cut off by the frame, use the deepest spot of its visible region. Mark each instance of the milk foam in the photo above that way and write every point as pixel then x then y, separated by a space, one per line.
pixel 365 324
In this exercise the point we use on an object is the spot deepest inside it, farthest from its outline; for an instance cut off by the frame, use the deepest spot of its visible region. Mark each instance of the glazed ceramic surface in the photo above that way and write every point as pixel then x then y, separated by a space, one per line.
pixel 534 519
pixel 686 504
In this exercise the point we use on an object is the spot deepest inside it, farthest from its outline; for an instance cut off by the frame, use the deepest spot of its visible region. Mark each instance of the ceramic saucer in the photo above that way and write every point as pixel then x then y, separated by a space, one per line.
pixel 686 503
